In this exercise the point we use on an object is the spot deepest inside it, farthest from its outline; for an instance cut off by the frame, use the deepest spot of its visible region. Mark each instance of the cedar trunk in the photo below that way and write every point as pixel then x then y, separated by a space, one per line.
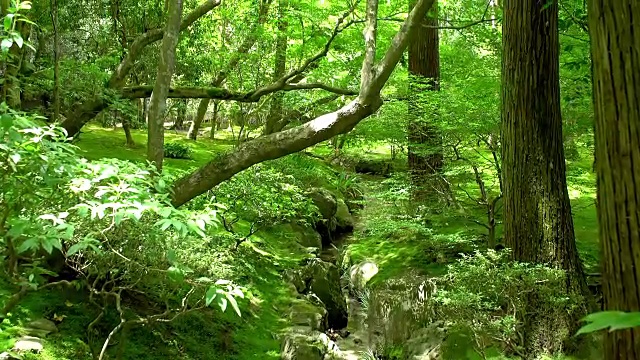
pixel 425 144
pixel 615 41
pixel 538 226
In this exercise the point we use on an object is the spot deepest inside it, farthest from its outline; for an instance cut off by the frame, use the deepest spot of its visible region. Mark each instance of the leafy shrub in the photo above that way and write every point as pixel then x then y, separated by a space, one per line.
pixel 176 150
pixel 262 197
pixel 485 295
pixel 109 222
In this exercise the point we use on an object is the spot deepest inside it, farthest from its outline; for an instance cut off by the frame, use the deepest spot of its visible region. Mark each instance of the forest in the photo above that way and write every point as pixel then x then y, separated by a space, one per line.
pixel 320 179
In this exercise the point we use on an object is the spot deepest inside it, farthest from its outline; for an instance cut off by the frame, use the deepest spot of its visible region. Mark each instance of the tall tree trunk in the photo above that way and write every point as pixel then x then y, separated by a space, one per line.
pixel 425 142
pixel 56 61
pixel 13 64
pixel 181 114
pixel 615 40
pixel 203 106
pixel 214 120
pixel 275 112
pixel 537 212
pixel 246 45
pixel 145 111
pixel 126 126
pixel 158 103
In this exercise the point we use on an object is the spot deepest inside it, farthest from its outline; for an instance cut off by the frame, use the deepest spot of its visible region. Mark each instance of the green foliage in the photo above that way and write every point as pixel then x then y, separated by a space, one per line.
pixel 612 320
pixel 177 150
pixel 262 197
pixel 487 296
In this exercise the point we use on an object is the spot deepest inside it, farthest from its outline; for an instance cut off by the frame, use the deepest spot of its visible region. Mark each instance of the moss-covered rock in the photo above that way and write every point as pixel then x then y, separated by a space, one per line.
pixel 324 280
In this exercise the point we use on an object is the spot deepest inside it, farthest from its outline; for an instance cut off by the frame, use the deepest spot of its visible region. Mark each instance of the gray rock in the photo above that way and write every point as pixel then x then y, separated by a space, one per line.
pixel 306 236
pixel 325 201
pixel 361 273
pixel 43 324
pixel 324 281
pixel 344 219
pixel 296 346
pixel 303 313
pixel 294 277
pixel 28 344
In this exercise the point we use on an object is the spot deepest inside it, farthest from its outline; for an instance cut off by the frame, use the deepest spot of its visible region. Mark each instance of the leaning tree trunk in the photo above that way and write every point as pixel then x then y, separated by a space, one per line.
pixel 537 212
pixel 615 41
pixel 425 143
pixel 166 65
pixel 275 111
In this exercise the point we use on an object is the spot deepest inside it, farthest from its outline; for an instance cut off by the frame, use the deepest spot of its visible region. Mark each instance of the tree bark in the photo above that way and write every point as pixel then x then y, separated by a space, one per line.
pixel 194 128
pixel 56 61
pixel 275 111
pixel 276 145
pixel 538 226
pixel 181 114
pixel 91 108
pixel 246 45
pixel 425 157
pixel 615 40
pixel 13 65
pixel 214 120
pixel 158 103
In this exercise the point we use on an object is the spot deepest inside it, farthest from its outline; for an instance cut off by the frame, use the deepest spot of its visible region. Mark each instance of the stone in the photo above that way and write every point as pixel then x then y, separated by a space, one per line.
pixel 344 219
pixel 360 274
pixel 43 324
pixel 306 236
pixel 324 281
pixel 294 277
pixel 297 346
pixel 304 313
pixel 28 344
pixel 424 343
pixel 325 201
pixel 330 254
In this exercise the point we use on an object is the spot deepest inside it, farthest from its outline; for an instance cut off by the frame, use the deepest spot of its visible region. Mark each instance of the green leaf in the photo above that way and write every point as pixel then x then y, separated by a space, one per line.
pixel 7 22
pixel 73 249
pixel 234 303
pixel 211 295
pixel 171 256
pixel 19 41
pixel 222 302
pixel 6 44
pixel 616 320
pixel 47 245
pixel 176 274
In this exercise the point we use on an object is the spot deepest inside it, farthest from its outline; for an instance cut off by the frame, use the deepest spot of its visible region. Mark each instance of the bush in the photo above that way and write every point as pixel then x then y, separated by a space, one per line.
pixel 108 225
pixel 176 150
pixel 485 296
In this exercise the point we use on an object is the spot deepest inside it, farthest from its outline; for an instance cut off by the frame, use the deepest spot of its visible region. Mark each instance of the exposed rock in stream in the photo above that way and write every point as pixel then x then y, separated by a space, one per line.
pixel 323 279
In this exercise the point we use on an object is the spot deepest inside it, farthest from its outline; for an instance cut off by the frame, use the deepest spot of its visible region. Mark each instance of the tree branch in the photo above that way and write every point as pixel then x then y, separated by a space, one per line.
pixel 143 91
pixel 119 76
pixel 282 143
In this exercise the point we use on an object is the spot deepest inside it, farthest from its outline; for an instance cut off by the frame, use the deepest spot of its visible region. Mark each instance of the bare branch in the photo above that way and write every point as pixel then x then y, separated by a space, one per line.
pixel 143 91
pixel 119 76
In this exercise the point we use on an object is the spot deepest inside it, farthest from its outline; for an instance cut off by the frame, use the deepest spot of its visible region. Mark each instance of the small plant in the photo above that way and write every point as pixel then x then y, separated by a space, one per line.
pixel 176 150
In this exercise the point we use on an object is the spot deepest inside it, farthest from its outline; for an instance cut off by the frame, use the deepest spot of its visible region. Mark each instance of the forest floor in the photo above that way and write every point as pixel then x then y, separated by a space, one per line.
pixel 384 234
